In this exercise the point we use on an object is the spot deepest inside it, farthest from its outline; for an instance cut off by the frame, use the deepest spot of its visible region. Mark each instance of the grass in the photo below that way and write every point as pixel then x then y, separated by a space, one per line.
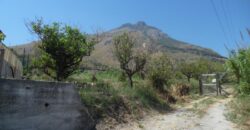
pixel 239 111
pixel 103 100
pixel 200 107
pixel 100 99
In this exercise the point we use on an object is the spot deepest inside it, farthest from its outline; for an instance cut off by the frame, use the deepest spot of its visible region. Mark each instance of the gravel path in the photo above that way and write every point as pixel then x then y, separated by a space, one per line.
pixel 184 119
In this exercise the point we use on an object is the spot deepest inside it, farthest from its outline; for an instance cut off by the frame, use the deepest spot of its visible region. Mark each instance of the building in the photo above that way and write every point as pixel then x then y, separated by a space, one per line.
pixel 10 65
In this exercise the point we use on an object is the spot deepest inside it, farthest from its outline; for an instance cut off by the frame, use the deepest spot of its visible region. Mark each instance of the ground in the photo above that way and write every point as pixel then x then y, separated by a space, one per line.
pixel 186 117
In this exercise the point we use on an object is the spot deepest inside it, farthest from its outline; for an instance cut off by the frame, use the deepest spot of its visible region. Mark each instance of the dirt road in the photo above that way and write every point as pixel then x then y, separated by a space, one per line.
pixel 184 119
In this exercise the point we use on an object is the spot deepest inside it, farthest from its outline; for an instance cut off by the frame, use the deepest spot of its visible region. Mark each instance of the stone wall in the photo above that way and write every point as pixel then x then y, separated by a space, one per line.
pixel 10 65
pixel 36 105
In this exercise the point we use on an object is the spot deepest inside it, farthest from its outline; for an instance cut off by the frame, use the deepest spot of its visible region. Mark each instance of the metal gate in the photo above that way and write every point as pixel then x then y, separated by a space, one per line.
pixel 210 84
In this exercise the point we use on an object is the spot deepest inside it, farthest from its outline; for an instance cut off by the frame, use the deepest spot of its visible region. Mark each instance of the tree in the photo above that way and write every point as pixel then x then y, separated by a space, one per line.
pixel 2 36
pixel 187 69
pixel 130 62
pixel 62 48
pixel 196 68
pixel 238 63
pixel 160 71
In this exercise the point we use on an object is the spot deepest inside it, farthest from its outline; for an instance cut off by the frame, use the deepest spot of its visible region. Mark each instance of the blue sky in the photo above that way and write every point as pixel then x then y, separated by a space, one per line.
pixel 193 21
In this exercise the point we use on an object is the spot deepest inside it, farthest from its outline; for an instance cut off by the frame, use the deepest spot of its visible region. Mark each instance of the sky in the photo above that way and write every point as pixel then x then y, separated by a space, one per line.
pixel 215 24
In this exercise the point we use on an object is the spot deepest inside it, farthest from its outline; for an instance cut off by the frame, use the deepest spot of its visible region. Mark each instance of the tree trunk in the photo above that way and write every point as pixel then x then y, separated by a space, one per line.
pixel 130 81
pixel 188 79
pixel 59 76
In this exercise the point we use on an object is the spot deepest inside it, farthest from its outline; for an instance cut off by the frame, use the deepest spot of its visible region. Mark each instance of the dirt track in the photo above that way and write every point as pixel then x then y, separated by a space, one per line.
pixel 184 119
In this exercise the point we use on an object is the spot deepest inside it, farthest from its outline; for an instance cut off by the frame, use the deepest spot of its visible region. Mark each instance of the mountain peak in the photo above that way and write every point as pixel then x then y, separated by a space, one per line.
pixel 140 25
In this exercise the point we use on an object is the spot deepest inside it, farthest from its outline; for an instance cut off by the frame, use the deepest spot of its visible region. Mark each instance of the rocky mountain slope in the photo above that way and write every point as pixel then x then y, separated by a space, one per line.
pixel 148 37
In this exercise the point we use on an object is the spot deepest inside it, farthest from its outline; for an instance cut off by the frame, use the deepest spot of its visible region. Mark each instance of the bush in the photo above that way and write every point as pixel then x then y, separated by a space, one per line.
pixel 194 86
pixel 244 88
pixel 105 100
pixel 240 111
pixel 101 100
pixel 238 63
pixel 180 89
pixel 147 97
pixel 160 71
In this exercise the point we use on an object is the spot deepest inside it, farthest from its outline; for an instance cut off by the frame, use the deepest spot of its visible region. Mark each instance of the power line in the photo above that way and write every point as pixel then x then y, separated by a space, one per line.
pixel 220 22
pixel 232 38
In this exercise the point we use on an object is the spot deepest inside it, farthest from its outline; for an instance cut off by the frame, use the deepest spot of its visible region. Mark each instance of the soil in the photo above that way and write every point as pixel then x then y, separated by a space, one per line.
pixel 182 118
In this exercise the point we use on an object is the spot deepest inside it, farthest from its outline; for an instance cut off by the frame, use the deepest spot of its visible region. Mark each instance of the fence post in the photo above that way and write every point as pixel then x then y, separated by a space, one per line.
pixel 200 85
pixel 217 83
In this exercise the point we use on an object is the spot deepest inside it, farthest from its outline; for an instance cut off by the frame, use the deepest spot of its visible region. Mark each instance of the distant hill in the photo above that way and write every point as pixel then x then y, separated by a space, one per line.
pixel 154 39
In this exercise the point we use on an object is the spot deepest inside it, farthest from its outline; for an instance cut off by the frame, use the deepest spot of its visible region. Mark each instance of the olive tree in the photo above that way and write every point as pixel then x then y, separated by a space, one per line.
pixel 130 61
pixel 62 48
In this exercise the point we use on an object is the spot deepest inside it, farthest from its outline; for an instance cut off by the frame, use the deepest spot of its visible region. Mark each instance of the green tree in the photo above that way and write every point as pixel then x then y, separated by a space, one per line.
pixel 160 71
pixel 130 62
pixel 187 69
pixel 62 48
pixel 238 63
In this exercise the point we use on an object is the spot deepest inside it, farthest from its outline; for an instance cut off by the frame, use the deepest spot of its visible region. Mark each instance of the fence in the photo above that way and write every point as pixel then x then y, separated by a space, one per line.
pixel 209 84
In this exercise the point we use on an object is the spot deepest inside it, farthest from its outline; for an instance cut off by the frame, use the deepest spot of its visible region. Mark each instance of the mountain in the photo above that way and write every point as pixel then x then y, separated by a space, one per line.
pixel 154 39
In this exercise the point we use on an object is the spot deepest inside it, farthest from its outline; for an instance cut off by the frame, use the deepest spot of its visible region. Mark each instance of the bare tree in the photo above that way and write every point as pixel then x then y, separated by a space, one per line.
pixel 130 62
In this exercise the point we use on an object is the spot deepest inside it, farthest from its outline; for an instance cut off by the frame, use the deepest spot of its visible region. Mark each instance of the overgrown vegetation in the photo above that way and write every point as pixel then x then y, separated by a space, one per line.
pixel 158 80
pixel 130 62
pixel 239 111
pixel 62 49
pixel 160 71
pixel 104 100
pixel 238 65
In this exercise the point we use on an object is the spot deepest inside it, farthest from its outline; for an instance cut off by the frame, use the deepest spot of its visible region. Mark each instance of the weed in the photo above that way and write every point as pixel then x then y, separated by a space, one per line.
pixel 239 111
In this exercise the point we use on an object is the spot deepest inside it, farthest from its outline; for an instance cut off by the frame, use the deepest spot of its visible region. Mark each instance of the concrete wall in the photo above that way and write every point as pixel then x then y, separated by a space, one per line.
pixel 10 65
pixel 33 105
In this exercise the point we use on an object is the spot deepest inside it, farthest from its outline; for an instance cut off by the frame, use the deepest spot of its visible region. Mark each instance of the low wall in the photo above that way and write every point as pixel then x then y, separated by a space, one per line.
pixel 33 105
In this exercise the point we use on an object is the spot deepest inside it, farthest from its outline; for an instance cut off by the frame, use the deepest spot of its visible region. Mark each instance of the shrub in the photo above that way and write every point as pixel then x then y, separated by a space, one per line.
pixel 160 71
pixel 180 89
pixel 101 100
pixel 238 63
pixel 240 111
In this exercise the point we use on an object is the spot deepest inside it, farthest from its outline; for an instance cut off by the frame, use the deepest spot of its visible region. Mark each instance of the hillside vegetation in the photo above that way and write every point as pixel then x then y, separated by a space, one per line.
pixel 129 71
pixel 151 38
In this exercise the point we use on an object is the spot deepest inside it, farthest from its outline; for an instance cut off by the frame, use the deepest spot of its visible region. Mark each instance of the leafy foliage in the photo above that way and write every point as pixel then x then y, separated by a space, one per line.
pixel 160 71
pixel 239 111
pixel 187 69
pixel 238 63
pixel 201 66
pixel 62 48
pixel 130 62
